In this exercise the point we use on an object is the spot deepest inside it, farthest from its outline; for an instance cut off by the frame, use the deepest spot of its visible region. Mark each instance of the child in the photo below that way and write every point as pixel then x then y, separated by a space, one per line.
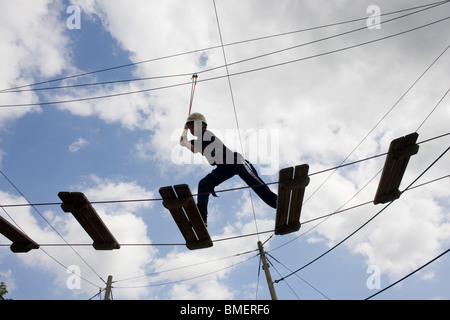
pixel 227 162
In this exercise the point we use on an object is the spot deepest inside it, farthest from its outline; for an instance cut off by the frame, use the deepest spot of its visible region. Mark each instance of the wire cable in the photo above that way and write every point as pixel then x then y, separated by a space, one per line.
pixel 46 252
pixel 185 267
pixel 228 76
pixel 328 216
pixel 240 236
pixel 221 190
pixel 224 76
pixel 408 275
pixel 306 282
pixel 427 7
pixel 435 107
pixel 186 279
pixel 364 224
pixel 383 117
pixel 51 226
pixel 288 285
pixel 257 278
pixel 327 38
pixel 234 109
pixel 16 89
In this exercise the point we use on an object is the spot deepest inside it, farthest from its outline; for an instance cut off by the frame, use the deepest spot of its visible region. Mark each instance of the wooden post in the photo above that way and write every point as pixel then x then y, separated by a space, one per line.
pixel 108 288
pixel 265 267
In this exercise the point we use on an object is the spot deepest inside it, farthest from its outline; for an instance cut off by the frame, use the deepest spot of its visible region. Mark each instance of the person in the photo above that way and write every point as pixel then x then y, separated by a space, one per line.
pixel 227 163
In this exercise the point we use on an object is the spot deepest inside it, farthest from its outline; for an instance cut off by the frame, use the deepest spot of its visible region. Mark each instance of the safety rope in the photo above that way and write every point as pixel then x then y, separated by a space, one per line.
pixel 194 83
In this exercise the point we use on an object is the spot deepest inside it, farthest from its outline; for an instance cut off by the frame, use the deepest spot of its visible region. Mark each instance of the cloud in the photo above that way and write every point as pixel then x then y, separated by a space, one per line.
pixel 7 278
pixel 206 274
pixel 78 144
pixel 208 289
pixel 98 189
pixel 322 109
pixel 404 240
pixel 141 111
pixel 2 154
pixel 123 222
pixel 34 48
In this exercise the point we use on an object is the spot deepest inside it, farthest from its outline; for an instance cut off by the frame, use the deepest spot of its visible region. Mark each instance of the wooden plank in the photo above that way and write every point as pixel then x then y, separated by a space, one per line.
pixel 192 212
pixel 399 153
pixel 177 213
pixel 291 188
pixel 20 241
pixel 284 197
pixel 91 222
pixel 300 175
pixel 182 206
pixel 88 218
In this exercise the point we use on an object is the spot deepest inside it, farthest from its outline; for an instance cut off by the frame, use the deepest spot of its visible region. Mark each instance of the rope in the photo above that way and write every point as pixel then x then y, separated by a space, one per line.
pixel 194 83
pixel 234 107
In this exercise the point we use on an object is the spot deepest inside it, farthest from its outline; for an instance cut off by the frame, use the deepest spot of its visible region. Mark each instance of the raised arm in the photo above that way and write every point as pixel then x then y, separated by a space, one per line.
pixel 184 142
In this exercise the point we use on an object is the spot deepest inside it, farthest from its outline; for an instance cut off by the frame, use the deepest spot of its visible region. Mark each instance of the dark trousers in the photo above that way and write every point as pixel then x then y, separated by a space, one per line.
pixel 223 172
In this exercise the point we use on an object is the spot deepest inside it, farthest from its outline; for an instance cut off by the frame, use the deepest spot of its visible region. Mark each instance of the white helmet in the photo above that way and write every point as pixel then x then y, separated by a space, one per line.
pixel 196 117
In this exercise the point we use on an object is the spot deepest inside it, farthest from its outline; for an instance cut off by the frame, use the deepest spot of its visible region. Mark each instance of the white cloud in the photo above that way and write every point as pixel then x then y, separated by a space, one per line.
pixel 406 237
pixel 8 279
pixel 123 222
pixel 206 273
pixel 322 107
pixel 78 144
pixel 206 290
pixel 33 46
pixel 429 276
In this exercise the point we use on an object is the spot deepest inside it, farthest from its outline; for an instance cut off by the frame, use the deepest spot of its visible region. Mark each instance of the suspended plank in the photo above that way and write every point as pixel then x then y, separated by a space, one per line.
pixel 291 189
pixel 180 203
pixel 400 150
pixel 20 241
pixel 88 218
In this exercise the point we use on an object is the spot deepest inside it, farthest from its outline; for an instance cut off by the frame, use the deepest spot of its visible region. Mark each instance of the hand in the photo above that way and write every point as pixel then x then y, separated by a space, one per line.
pixel 183 137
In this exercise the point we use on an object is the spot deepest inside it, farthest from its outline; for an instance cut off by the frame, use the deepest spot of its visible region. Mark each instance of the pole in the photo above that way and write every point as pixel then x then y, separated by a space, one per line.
pixel 265 267
pixel 108 288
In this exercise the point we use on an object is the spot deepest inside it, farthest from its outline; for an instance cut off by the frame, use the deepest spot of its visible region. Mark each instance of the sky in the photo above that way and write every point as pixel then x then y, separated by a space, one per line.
pixel 315 82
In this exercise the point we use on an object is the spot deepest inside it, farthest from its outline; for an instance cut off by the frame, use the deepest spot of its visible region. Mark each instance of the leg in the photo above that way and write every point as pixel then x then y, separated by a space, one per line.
pixel 250 176
pixel 206 186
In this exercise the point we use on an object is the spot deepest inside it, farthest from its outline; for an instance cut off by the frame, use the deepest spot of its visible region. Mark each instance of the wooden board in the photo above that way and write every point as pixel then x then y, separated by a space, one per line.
pixel 181 205
pixel 20 241
pixel 88 218
pixel 400 151
pixel 291 189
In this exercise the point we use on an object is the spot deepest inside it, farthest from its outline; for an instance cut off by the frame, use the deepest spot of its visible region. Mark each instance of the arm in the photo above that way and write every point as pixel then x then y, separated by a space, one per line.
pixel 184 142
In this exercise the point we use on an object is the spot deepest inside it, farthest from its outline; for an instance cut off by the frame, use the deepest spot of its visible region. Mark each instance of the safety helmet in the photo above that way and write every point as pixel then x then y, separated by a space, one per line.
pixel 196 117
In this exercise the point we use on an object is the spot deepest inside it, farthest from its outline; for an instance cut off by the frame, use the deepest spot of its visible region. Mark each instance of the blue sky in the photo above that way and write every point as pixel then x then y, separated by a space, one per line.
pixel 317 110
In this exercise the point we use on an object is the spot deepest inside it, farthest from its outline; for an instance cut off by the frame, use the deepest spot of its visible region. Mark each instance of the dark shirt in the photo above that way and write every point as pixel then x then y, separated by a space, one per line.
pixel 213 149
